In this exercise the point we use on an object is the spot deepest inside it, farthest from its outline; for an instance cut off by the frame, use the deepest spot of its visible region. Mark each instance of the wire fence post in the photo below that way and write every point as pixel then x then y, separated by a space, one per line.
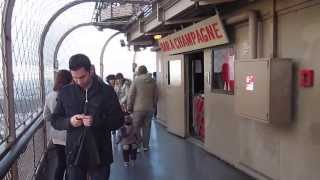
pixel 8 77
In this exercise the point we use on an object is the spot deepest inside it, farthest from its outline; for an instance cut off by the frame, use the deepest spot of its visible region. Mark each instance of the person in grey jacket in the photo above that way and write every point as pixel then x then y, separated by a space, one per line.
pixel 56 150
pixel 142 99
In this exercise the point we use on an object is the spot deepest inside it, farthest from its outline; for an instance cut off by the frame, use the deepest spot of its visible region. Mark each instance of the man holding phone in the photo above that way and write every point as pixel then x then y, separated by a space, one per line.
pixel 88 109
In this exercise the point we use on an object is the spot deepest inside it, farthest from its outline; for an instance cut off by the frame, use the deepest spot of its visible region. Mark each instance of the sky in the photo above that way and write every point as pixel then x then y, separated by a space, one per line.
pixel 89 41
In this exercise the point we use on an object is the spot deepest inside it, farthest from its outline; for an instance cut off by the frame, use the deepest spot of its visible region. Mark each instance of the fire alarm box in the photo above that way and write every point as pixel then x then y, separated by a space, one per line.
pixel 306 78
pixel 263 89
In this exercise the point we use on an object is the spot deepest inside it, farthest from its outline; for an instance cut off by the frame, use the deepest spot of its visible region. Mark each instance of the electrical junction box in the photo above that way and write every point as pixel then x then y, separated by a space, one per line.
pixel 263 89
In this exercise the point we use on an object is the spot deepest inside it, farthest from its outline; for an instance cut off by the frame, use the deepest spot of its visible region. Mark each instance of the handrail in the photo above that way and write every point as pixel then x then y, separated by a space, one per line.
pixel 18 146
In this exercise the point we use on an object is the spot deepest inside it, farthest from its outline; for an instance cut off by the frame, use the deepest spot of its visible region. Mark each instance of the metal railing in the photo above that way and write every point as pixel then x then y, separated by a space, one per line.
pixel 26 152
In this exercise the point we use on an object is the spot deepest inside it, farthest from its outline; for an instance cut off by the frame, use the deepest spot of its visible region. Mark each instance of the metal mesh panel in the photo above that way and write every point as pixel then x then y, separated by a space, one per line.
pixel 8 176
pixel 26 163
pixel 29 161
pixel 39 145
pixel 27 26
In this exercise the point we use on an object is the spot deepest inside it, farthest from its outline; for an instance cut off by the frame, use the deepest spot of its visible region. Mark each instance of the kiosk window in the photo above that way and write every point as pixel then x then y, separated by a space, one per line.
pixel 223 70
pixel 174 72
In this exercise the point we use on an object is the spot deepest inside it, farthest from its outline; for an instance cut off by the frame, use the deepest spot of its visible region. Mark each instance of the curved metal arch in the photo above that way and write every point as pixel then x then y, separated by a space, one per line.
pixel 103 50
pixel 52 19
pixel 63 37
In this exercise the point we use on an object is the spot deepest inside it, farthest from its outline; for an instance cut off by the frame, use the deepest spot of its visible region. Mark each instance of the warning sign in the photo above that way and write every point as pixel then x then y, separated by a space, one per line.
pixel 250 83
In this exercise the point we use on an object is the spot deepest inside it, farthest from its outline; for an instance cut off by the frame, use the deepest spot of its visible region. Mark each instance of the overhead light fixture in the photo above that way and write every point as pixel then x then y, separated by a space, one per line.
pixel 157 36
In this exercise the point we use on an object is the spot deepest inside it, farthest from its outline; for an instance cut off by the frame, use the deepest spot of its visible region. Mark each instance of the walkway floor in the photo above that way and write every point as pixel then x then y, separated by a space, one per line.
pixel 173 158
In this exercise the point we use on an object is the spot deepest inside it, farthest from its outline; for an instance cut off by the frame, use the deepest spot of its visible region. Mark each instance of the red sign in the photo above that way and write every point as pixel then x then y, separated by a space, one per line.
pixel 206 33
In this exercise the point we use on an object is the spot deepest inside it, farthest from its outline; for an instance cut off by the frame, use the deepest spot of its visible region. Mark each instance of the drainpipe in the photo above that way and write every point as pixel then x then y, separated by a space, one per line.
pixel 274 30
pixel 250 16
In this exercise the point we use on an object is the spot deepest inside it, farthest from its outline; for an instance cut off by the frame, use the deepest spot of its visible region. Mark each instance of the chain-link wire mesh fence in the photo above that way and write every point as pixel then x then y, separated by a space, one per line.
pixel 28 21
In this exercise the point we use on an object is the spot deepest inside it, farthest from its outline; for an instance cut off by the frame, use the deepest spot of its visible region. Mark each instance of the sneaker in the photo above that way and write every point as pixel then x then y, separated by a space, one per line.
pixel 126 164
pixel 145 149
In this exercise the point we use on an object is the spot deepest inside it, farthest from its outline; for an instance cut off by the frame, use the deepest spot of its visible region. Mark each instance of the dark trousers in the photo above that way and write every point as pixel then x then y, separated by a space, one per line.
pixel 56 162
pixel 77 173
pixel 129 152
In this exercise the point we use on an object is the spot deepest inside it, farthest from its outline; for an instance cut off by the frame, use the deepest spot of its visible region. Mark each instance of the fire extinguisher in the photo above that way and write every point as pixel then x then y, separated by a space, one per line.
pixel 225 75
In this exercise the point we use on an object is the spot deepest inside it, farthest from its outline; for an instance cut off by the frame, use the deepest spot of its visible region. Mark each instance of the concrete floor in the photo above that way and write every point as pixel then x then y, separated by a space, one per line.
pixel 173 158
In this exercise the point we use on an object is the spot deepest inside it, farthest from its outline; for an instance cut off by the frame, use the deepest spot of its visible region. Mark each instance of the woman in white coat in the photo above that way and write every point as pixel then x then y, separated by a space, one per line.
pixel 57 139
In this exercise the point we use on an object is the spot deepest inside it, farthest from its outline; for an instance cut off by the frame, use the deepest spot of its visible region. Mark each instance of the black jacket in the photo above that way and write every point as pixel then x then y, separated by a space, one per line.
pixel 102 104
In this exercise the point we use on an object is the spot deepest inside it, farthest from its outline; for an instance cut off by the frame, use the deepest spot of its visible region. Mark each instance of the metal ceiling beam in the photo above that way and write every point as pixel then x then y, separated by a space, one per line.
pixel 142 43
pixel 159 32
pixel 169 12
pixel 144 2
pixel 182 21
pixel 207 2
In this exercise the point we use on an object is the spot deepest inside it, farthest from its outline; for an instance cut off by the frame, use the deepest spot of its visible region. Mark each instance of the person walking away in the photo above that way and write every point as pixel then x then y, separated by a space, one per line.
pixel 129 139
pixel 88 109
pixel 141 101
pixel 57 139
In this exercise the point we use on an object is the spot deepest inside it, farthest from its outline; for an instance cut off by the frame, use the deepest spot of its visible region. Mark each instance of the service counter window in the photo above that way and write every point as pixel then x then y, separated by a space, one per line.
pixel 174 72
pixel 223 70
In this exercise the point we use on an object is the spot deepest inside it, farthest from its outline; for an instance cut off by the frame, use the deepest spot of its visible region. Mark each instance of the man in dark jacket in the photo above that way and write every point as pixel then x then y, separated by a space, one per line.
pixel 88 109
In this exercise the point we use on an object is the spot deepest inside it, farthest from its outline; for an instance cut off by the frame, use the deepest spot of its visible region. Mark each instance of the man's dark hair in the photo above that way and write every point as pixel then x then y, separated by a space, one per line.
pixel 78 61
pixel 119 76
pixel 63 78
pixel 110 77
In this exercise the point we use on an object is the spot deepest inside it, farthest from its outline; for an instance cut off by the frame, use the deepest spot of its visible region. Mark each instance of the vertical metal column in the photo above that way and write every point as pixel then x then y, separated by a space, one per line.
pixel 42 84
pixel 8 76
pixel 134 64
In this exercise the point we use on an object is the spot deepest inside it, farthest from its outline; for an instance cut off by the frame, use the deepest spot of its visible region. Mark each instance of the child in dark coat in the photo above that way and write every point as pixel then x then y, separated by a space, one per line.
pixel 129 139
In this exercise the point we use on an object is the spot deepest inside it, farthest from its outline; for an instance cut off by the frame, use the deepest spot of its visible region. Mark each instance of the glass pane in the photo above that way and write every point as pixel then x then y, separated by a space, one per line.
pixel 175 72
pixel 223 69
